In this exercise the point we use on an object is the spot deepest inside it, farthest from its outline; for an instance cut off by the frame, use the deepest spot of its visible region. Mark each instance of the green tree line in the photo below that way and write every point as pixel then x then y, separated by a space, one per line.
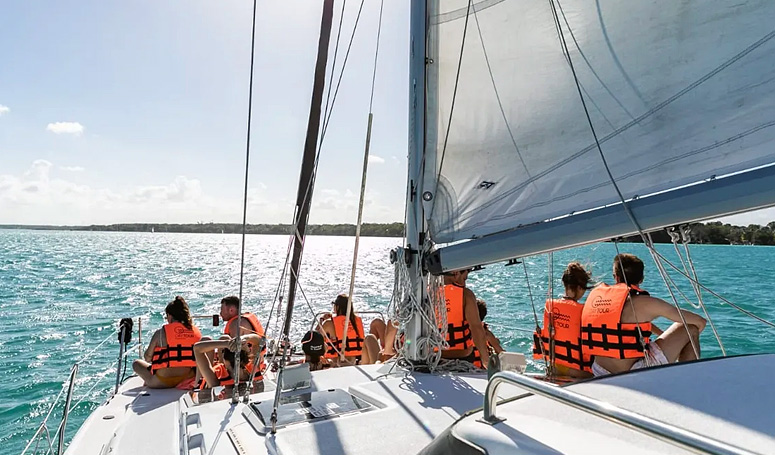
pixel 367 229
pixel 719 233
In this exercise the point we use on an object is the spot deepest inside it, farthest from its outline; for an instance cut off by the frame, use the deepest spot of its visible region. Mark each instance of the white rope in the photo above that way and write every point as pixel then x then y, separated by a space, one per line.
pixel 404 307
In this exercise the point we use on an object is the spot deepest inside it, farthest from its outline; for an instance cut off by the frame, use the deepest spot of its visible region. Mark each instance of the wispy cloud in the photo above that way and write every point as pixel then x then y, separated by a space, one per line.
pixel 4 109
pixel 73 128
pixel 374 159
pixel 72 168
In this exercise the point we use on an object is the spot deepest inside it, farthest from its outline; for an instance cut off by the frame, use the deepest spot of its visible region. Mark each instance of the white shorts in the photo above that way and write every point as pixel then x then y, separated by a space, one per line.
pixel 654 357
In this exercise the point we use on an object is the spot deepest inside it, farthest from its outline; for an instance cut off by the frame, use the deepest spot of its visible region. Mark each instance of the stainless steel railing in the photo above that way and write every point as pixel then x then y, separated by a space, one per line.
pixel 669 433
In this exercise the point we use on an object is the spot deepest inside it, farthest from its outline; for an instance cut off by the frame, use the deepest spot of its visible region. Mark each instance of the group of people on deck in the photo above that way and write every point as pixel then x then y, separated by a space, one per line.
pixel 611 332
pixel 179 356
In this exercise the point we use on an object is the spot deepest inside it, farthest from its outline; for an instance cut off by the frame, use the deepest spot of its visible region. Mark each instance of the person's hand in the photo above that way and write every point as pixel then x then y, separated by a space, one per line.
pixel 326 316
pixel 233 344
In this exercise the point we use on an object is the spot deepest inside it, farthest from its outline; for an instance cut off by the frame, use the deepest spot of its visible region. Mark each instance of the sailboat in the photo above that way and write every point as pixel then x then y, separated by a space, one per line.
pixel 534 127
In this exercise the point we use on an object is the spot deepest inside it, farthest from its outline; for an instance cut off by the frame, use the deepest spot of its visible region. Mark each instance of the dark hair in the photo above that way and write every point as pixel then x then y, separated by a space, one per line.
pixel 178 309
pixel 341 310
pixel 231 300
pixel 633 269
pixel 481 305
pixel 229 356
pixel 576 276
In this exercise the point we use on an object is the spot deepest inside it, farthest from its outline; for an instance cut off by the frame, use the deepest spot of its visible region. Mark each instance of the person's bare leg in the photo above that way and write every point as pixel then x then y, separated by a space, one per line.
pixel 370 352
pixel 140 368
pixel 377 328
pixel 674 340
pixel 388 345
pixel 687 353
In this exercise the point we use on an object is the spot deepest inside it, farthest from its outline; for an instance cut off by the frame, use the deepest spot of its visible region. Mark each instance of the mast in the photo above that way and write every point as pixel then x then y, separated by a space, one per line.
pixel 306 178
pixel 414 209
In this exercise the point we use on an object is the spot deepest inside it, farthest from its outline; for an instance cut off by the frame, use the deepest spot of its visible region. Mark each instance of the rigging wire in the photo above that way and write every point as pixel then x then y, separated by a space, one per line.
pixel 363 194
pixel 615 185
pixel 327 114
pixel 713 293
pixel 663 273
pixel 684 234
pixel 235 373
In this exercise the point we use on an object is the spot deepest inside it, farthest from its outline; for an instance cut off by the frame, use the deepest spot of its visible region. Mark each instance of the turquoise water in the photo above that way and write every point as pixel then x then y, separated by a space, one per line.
pixel 61 294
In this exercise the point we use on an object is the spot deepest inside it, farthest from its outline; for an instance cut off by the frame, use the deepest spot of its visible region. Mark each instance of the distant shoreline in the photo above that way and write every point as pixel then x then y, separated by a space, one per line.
pixel 713 233
pixel 367 229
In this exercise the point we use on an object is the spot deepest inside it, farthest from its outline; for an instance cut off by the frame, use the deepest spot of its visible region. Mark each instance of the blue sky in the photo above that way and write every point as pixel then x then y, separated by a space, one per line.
pixel 136 112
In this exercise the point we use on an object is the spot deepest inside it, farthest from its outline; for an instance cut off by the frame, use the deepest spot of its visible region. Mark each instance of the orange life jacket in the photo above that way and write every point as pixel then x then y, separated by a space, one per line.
pixel 354 346
pixel 222 373
pixel 179 351
pixel 255 324
pixel 602 332
pixel 256 328
pixel 565 316
pixel 458 330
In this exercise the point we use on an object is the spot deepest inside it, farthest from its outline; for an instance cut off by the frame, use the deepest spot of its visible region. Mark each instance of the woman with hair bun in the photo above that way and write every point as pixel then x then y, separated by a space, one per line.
pixel 559 342
pixel 169 359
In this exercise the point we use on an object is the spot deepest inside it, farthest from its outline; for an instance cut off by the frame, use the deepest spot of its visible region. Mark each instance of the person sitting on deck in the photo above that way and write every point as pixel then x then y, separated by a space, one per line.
pixel 493 343
pixel 385 335
pixel 559 342
pixel 357 350
pixel 464 327
pixel 169 358
pixel 616 324
pixel 314 346
pixel 221 373
pixel 249 324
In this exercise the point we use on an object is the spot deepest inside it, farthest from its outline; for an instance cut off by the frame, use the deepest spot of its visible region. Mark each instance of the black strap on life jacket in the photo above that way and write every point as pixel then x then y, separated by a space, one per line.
pixel 175 353
pixel 616 343
pixel 566 351
pixel 458 335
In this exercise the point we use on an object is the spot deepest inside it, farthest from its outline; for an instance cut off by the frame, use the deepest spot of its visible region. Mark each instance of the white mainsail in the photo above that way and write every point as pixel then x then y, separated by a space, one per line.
pixel 678 93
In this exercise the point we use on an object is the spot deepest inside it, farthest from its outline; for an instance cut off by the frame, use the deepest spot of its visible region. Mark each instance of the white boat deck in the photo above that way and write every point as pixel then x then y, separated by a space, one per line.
pixel 728 399
pixel 411 411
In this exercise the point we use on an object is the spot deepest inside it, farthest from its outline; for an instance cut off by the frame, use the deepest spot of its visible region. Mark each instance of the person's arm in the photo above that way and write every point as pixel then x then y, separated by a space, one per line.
pixel 471 312
pixel 493 341
pixel 155 341
pixel 201 349
pixel 658 307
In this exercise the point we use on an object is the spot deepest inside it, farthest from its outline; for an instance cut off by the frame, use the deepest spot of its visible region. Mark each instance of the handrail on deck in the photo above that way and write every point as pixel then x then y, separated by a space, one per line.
pixel 669 433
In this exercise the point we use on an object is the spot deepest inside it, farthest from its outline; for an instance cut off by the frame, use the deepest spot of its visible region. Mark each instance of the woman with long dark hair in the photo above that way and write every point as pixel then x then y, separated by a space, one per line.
pixel 169 359
pixel 332 326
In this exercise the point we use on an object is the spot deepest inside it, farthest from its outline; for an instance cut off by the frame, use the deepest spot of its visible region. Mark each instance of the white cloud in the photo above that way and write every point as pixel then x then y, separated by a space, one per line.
pixel 73 128
pixel 4 109
pixel 44 194
pixel 72 168
pixel 374 159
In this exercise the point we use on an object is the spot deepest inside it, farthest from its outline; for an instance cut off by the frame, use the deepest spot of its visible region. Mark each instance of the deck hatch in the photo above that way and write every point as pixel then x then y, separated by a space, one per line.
pixel 309 407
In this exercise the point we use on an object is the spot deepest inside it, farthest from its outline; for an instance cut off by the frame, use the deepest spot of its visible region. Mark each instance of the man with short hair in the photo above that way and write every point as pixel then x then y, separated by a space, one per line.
pixel 616 324
pixel 248 324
